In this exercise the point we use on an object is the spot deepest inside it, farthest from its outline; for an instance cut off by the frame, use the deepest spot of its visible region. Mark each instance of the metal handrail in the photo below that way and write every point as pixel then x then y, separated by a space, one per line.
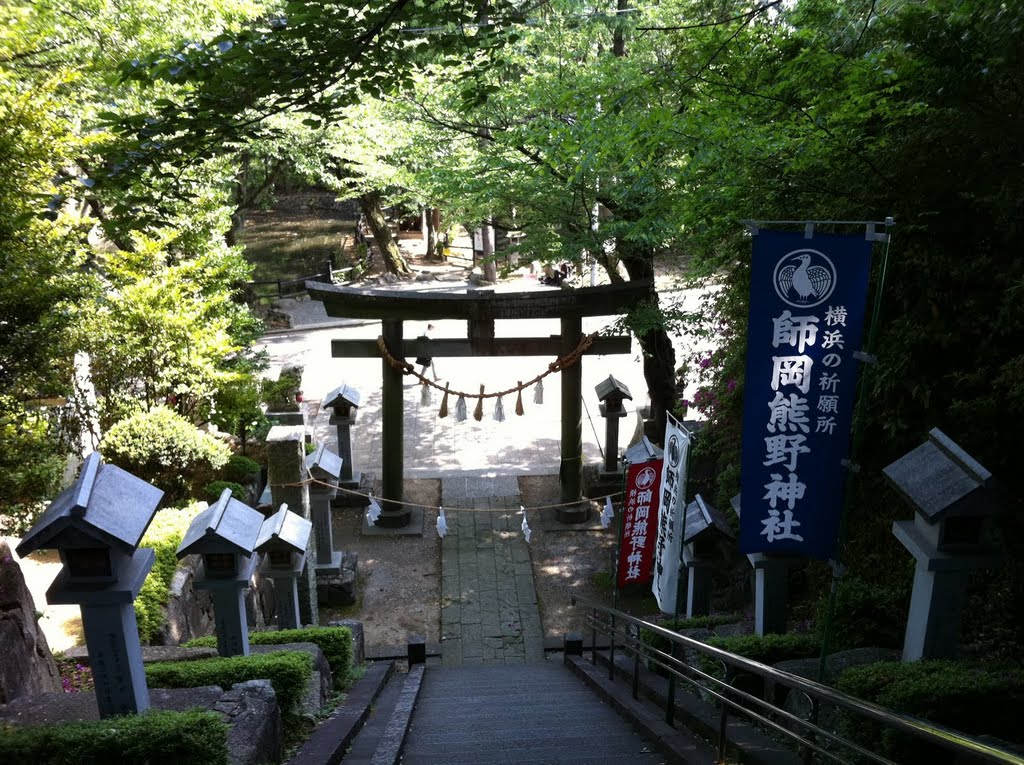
pixel 730 696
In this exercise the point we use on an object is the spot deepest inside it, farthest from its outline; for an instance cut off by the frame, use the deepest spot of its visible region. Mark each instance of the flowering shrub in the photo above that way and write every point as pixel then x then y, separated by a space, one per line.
pixel 718 396
pixel 74 676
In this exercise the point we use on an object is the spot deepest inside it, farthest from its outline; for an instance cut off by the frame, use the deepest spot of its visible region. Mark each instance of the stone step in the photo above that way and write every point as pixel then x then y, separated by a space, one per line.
pixel 522 714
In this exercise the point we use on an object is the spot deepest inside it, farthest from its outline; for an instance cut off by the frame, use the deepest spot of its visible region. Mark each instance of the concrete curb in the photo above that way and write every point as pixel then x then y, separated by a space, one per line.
pixel 329 741
pixel 389 749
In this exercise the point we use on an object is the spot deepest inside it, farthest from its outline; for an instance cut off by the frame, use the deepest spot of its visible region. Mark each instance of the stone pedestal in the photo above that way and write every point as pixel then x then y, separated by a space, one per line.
pixel 228 596
pixel 286 601
pixel 112 635
pixel 328 560
pixel 771 591
pixel 698 583
pixel 940 591
pixel 286 474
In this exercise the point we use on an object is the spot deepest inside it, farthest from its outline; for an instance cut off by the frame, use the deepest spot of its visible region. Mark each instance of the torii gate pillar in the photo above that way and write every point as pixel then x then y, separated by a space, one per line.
pixel 393 514
pixel 570 471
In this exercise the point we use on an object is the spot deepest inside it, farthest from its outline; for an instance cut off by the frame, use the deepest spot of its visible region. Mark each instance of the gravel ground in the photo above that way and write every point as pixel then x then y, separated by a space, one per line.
pixel 399 577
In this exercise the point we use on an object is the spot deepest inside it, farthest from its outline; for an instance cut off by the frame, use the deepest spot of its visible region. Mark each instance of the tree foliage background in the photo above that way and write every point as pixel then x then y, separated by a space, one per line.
pixel 640 136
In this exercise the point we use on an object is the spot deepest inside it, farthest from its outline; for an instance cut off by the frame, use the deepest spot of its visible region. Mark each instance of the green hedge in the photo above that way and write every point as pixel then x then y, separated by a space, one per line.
pixel 153 738
pixel 335 642
pixel 164 448
pixel 864 614
pixel 769 649
pixel 974 697
pixel 696 622
pixel 163 535
pixel 288 671
pixel 215 489
pixel 240 467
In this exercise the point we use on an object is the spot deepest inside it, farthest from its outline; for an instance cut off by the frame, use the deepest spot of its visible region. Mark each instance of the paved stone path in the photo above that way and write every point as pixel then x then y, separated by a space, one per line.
pixel 489 611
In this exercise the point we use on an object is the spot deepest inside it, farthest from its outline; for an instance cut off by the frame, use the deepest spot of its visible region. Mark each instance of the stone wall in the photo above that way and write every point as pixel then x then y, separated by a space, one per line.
pixel 26 664
pixel 189 611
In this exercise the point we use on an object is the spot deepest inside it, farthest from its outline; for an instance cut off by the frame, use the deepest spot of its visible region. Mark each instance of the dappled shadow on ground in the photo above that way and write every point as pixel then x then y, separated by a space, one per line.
pixel 569 561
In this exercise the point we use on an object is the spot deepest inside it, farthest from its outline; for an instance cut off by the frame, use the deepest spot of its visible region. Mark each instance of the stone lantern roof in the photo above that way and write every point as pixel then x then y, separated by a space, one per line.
pixel 940 479
pixel 284 529
pixel 226 526
pixel 323 465
pixel 702 517
pixel 105 505
pixel 344 395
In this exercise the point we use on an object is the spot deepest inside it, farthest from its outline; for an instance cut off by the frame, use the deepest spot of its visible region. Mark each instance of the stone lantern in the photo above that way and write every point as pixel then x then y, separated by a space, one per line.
pixel 705 527
pixel 344 402
pixel 282 541
pixel 225 536
pixel 949 537
pixel 324 467
pixel 96 526
pixel 612 393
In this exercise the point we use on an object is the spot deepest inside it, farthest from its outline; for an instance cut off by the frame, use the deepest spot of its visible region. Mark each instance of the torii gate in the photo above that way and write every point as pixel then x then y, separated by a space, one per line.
pixel 480 308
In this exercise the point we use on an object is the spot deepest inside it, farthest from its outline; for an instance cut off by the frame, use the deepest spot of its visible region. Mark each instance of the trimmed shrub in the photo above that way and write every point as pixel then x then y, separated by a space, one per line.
pixel 165 449
pixel 697 622
pixel 163 535
pixel 215 489
pixel 288 671
pixel 766 649
pixel 152 738
pixel 976 697
pixel 335 642
pixel 240 467
pixel 770 649
pixel 864 615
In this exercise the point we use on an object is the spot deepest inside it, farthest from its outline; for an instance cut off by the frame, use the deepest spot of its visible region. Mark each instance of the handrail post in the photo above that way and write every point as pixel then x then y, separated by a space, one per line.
pixel 808 752
pixel 723 721
pixel 593 637
pixel 635 632
pixel 670 703
pixel 611 650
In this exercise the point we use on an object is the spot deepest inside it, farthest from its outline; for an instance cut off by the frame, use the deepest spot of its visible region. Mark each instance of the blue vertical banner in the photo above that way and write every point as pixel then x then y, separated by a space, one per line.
pixel 807 305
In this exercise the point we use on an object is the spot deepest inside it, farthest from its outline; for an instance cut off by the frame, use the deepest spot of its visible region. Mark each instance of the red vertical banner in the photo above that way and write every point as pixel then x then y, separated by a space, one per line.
pixel 639 523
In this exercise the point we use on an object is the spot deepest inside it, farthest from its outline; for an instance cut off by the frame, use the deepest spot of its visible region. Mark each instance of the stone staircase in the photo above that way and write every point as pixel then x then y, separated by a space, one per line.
pixel 522 713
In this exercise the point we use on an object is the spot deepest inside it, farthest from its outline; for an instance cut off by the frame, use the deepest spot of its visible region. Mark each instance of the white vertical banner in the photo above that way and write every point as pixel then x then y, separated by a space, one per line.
pixel 669 543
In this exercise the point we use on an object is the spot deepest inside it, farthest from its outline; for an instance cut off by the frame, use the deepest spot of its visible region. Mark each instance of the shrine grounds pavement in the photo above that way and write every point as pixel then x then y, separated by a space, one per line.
pixel 489 612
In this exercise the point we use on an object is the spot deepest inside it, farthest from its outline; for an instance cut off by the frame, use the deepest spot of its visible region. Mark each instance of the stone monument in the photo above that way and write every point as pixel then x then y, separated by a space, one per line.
pixel 96 526
pixel 225 536
pixel 949 537
pixel 283 539
pixel 289 485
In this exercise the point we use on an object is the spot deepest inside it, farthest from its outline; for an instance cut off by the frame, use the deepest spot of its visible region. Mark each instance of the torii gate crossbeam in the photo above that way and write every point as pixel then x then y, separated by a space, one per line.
pixel 480 309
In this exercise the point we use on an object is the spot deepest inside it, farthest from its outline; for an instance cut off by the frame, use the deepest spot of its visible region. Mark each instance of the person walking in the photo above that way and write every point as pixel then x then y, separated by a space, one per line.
pixel 427 361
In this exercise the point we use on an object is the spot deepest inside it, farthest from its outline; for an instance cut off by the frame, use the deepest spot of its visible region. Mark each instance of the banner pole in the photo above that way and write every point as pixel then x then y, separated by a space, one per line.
pixel 856 434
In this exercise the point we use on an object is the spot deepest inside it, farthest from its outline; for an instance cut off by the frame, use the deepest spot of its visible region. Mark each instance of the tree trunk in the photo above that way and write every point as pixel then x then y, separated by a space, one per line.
pixel 487 239
pixel 619 38
pixel 659 355
pixel 431 233
pixel 391 255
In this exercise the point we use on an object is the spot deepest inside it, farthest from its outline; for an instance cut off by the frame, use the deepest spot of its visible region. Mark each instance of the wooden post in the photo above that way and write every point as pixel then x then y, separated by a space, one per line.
pixel 393 514
pixel 571 469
